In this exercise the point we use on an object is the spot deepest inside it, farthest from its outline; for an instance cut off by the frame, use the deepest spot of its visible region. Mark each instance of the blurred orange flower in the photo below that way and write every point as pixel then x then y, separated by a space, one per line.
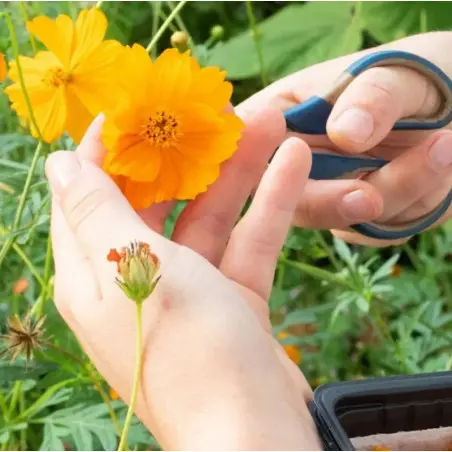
pixel 20 286
pixel 380 448
pixel 292 352
pixel 73 81
pixel 113 394
pixel 2 67
pixel 168 139
pixel 396 271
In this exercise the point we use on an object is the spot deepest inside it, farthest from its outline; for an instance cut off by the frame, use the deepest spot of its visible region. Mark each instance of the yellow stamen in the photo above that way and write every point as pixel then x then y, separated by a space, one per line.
pixel 161 129
pixel 56 77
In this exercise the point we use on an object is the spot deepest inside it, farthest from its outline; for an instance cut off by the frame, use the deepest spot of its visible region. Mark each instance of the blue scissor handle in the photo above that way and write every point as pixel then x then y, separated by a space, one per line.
pixel 311 116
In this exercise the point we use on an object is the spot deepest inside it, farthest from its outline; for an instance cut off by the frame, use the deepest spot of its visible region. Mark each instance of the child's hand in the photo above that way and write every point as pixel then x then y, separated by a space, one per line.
pixel 420 174
pixel 213 377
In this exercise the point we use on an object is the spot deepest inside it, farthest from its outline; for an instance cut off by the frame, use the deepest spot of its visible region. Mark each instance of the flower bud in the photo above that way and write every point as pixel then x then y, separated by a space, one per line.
pixel 179 40
pixel 137 268
pixel 217 32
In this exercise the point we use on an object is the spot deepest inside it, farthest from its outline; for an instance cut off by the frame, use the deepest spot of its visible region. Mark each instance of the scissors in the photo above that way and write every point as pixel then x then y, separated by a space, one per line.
pixel 310 117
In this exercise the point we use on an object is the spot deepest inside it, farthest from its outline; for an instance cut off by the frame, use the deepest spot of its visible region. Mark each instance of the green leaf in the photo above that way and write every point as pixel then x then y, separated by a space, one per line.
pixel 278 299
pixel 343 250
pixel 387 21
pixel 362 304
pixel 294 38
pixel 20 370
pixel 52 437
pixel 83 424
pixel 4 436
pixel 385 270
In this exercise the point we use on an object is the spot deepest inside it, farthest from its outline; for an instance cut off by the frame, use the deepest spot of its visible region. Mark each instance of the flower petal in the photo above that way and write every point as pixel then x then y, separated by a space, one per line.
pixel 2 67
pixel 195 178
pixel 51 117
pixel 78 117
pixel 96 78
pixel 57 35
pixel 137 159
pixel 34 69
pixel 209 138
pixel 90 30
pixel 170 79
pixel 209 87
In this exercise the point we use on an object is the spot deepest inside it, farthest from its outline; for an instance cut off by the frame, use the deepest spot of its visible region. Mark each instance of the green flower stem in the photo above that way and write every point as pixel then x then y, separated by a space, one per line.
pixel 99 3
pixel 28 263
pixel 136 378
pixel 23 7
pixel 257 42
pixel 180 23
pixel 23 197
pixel 328 251
pixel 38 307
pixel 156 10
pixel 165 25
pixel 15 47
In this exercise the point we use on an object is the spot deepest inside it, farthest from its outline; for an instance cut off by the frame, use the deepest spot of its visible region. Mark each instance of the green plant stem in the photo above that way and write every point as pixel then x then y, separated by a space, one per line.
pixel 93 380
pixel 15 397
pixel 257 42
pixel 99 3
pixel 281 270
pixel 28 263
pixel 136 378
pixel 23 432
pixel 165 25
pixel 156 10
pixel 15 47
pixel 23 197
pixel 180 23
pixel 415 262
pixel 328 251
pixel 38 307
pixel 25 13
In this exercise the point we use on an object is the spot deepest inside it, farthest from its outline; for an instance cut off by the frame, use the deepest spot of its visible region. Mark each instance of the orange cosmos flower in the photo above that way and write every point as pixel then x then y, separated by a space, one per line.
pixel 292 352
pixel 168 139
pixel 2 67
pixel 73 81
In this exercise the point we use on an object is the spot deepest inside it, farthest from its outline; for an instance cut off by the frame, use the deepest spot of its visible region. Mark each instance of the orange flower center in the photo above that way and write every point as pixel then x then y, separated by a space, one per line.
pixel 161 129
pixel 56 77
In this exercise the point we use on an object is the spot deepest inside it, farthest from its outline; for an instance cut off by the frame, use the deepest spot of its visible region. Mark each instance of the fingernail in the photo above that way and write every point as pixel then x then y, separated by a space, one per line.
pixel 440 154
pixel 357 206
pixel 354 124
pixel 61 168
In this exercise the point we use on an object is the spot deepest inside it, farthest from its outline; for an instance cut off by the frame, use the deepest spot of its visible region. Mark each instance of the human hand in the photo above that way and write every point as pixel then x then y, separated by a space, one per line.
pixel 419 175
pixel 213 377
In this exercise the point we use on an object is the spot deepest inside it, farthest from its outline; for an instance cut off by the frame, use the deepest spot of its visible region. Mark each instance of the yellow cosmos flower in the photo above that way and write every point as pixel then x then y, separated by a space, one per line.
pixel 73 81
pixel 168 139
pixel 2 67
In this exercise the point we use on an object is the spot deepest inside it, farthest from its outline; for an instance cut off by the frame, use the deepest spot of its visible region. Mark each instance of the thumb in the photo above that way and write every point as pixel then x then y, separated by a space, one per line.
pixel 368 108
pixel 95 209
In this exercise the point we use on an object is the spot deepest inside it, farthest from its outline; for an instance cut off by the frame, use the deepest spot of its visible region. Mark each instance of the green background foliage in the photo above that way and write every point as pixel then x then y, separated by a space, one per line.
pixel 349 309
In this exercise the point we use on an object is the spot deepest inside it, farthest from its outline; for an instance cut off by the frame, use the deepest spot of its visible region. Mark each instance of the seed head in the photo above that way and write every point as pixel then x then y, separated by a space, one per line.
pixel 23 337
pixel 137 268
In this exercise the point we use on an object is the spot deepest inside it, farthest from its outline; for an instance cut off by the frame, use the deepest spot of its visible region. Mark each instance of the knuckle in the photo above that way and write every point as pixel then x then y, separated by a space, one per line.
pixel 79 204
pixel 381 93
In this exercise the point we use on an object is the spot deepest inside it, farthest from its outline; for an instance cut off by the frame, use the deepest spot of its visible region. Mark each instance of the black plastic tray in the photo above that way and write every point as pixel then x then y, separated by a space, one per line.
pixel 381 405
